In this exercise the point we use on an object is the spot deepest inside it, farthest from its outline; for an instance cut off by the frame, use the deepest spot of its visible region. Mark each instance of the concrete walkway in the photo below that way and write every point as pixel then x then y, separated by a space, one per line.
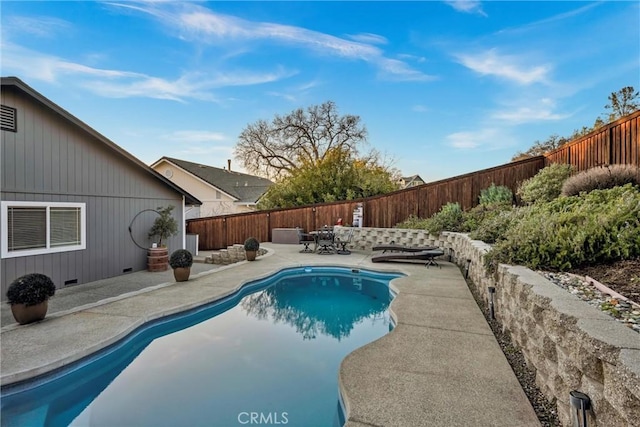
pixel 440 366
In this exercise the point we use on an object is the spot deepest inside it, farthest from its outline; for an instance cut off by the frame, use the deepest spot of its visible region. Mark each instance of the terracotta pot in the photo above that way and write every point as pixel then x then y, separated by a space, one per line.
pixel 251 255
pixel 26 314
pixel 181 274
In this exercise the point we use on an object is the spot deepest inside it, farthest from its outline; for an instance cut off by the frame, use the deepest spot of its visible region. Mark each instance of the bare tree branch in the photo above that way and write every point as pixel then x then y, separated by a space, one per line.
pixel 300 138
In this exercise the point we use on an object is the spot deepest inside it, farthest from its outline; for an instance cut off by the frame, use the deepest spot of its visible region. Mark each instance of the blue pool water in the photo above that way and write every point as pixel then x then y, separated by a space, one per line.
pixel 268 355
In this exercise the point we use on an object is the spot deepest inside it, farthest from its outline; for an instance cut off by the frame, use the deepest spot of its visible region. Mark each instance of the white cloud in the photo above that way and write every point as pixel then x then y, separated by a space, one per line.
pixel 487 139
pixel 419 109
pixel 369 38
pixel 197 23
pixel 40 26
pixel 528 114
pixel 122 84
pixel 195 136
pixel 529 111
pixel 467 6
pixel 509 67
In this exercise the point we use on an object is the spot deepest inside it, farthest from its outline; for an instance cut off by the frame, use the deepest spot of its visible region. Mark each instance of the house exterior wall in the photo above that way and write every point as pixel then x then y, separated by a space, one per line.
pixel 51 159
pixel 211 204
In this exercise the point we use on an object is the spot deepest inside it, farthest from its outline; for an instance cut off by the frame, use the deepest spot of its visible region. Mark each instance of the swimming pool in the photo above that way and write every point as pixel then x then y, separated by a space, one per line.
pixel 268 355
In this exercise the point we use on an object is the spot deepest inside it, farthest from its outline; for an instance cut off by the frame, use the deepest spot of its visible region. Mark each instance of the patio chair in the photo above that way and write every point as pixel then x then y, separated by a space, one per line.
pixel 343 241
pixel 325 242
pixel 427 256
pixel 305 239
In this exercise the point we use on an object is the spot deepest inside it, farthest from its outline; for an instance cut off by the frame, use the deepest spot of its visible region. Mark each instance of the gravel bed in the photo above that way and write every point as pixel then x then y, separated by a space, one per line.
pixel 623 311
pixel 544 409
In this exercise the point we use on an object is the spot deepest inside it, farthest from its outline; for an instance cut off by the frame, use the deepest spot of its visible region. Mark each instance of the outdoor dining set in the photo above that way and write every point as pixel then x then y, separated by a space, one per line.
pixel 325 241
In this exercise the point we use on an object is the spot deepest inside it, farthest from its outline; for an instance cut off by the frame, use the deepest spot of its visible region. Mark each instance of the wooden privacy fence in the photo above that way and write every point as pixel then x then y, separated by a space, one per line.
pixel 614 143
pixel 381 211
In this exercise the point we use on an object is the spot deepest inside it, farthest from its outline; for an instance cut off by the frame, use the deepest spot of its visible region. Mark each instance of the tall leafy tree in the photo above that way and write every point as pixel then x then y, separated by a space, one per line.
pixel 337 176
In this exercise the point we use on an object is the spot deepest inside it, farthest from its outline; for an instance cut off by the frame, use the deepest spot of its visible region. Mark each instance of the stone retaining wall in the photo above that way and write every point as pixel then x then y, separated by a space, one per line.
pixel 570 344
pixel 230 255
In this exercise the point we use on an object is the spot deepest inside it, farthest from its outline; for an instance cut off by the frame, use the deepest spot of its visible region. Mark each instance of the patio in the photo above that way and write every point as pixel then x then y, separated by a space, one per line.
pixel 440 366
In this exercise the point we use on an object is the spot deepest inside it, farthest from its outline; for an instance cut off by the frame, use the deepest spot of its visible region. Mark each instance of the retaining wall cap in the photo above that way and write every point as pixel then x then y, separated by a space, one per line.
pixel 630 361
pixel 609 332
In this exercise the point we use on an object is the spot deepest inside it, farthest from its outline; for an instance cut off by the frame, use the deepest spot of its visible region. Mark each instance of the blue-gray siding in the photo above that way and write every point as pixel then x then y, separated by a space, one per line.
pixel 52 159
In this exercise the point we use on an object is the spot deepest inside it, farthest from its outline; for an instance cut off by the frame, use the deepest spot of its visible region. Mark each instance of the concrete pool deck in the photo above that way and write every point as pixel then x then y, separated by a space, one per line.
pixel 440 366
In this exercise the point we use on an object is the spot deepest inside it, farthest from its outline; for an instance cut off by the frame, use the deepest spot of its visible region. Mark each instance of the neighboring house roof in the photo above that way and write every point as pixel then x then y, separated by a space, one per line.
pixel 19 84
pixel 245 188
pixel 412 180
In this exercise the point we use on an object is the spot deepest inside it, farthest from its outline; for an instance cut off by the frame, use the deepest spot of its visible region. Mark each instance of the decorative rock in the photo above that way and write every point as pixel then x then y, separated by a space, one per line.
pixel 622 311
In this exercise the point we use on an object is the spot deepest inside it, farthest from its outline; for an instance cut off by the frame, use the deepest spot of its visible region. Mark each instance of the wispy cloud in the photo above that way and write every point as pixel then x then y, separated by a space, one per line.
pixel 556 18
pixel 419 108
pixel 40 26
pixel 369 38
pixel 528 114
pixel 124 84
pixel 467 6
pixel 295 93
pixel 195 136
pixel 199 24
pixel 486 138
pixel 509 67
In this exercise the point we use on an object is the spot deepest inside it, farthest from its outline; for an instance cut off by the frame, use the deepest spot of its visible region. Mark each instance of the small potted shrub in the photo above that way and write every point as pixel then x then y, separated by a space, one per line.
pixel 251 246
pixel 29 296
pixel 163 227
pixel 181 261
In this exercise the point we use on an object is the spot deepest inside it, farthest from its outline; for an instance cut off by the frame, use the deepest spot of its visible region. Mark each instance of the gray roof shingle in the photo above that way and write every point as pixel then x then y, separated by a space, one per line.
pixel 243 187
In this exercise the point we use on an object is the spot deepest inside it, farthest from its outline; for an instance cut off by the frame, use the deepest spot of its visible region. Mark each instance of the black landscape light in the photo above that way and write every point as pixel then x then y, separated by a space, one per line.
pixel 466 273
pixel 492 291
pixel 580 404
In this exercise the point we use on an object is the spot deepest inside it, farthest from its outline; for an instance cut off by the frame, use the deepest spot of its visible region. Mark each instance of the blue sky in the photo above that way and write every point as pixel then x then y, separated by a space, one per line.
pixel 444 88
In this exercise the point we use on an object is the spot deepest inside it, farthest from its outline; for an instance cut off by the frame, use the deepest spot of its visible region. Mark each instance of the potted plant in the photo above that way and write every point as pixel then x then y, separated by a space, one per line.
pixel 251 246
pixel 29 296
pixel 163 227
pixel 181 261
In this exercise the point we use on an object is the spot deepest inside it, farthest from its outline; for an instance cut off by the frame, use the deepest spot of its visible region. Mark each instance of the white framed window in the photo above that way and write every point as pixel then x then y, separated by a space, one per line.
pixel 35 228
pixel 218 195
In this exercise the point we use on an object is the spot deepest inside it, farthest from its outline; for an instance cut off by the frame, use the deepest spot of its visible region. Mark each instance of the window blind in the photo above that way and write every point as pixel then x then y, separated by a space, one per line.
pixel 64 226
pixel 27 228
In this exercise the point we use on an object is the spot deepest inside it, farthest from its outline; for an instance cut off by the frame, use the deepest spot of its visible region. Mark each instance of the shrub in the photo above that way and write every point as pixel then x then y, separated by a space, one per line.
pixel 449 218
pixel 181 258
pixel 600 178
pixel 494 225
pixel 496 194
pixel 413 222
pixel 165 225
pixel 599 227
pixel 545 185
pixel 478 215
pixel 30 289
pixel 251 244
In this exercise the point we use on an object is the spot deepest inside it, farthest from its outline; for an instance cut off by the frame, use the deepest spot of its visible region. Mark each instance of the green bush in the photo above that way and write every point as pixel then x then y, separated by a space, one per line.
pixel 600 178
pixel 545 185
pixel 181 258
pixel 474 218
pixel 449 218
pixel 599 227
pixel 494 225
pixel 496 194
pixel 31 289
pixel 414 223
pixel 251 244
